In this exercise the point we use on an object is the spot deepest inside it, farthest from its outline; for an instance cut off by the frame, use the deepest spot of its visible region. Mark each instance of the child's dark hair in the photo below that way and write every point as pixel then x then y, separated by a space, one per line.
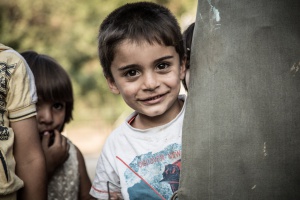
pixel 51 80
pixel 187 43
pixel 137 22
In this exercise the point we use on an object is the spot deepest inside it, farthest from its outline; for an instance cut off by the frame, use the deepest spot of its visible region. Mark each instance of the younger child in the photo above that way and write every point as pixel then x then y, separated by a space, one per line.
pixel 187 42
pixel 142 56
pixel 20 150
pixel 67 175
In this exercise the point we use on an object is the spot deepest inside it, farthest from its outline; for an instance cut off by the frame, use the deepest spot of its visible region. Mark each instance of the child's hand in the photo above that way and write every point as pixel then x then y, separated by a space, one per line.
pixel 116 196
pixel 57 153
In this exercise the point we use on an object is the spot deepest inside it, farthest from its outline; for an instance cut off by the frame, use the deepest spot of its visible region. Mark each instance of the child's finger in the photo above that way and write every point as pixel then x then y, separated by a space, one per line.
pixel 57 137
pixel 45 139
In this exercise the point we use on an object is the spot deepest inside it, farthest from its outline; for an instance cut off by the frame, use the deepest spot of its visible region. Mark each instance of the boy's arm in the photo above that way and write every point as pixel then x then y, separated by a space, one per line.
pixel 30 166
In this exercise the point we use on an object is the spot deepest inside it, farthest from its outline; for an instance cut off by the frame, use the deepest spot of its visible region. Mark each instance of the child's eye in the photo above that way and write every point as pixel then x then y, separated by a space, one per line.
pixel 162 66
pixel 131 72
pixel 58 106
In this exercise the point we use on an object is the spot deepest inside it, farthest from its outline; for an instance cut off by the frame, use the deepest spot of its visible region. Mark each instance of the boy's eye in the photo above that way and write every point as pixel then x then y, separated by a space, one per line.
pixel 131 72
pixel 162 66
pixel 58 106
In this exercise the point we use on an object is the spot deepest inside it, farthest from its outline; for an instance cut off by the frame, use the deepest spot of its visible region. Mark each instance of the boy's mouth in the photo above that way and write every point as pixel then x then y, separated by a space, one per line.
pixel 153 98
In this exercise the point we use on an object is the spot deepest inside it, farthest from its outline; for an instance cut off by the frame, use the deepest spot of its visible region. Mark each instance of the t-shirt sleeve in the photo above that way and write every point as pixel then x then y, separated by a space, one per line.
pixel 106 178
pixel 21 97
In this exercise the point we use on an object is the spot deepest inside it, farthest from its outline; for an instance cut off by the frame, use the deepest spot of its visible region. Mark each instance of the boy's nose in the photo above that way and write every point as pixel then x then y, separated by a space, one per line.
pixel 151 81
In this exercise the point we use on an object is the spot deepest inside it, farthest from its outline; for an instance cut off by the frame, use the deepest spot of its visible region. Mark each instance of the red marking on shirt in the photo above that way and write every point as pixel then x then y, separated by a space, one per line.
pixel 130 121
pixel 101 191
pixel 154 190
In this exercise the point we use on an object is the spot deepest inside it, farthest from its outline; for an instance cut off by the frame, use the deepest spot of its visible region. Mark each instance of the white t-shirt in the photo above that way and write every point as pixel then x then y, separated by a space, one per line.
pixel 141 163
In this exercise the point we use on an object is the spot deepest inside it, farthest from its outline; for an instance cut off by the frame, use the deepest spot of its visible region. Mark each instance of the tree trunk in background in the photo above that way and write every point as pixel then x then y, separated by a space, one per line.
pixel 241 133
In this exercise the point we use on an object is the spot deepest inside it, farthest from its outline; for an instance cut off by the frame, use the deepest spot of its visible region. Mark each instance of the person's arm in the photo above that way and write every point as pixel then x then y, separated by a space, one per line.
pixel 85 182
pixel 30 160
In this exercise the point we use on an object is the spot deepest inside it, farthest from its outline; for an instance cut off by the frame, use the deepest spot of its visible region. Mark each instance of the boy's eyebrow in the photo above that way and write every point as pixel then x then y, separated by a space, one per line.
pixel 122 68
pixel 163 58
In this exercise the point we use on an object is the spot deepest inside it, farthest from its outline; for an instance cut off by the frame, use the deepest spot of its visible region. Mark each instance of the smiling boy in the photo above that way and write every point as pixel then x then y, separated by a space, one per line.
pixel 142 56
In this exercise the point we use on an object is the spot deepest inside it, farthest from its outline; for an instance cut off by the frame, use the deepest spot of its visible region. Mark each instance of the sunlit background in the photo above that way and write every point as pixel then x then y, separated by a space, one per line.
pixel 67 31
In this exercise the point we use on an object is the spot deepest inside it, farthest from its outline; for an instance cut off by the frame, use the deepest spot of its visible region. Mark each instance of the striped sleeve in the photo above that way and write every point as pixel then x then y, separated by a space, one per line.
pixel 22 96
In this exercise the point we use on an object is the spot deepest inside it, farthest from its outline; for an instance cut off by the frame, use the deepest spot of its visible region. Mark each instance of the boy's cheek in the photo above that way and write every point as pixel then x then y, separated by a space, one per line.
pixel 112 86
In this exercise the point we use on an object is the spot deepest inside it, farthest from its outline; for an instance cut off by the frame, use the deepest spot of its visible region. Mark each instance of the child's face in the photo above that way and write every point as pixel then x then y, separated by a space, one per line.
pixel 147 76
pixel 50 115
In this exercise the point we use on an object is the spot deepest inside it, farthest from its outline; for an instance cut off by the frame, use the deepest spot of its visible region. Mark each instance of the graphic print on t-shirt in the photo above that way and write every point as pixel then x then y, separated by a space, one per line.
pixel 6 71
pixel 154 176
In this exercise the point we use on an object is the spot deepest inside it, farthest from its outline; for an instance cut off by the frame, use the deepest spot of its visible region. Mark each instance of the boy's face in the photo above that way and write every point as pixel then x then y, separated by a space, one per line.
pixel 148 77
pixel 50 116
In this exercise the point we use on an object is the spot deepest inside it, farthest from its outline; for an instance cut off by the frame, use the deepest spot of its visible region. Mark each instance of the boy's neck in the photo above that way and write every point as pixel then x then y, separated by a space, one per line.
pixel 145 122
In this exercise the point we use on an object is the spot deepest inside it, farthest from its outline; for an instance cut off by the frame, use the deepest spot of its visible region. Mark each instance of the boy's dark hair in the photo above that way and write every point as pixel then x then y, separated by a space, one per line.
pixel 187 43
pixel 137 22
pixel 51 80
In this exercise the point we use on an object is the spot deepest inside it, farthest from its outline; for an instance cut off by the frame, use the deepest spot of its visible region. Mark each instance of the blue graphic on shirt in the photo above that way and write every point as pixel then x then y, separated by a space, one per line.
pixel 156 175
pixel 171 175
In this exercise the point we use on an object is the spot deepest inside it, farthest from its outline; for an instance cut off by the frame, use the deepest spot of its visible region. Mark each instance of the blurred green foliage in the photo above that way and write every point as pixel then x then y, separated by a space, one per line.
pixel 67 30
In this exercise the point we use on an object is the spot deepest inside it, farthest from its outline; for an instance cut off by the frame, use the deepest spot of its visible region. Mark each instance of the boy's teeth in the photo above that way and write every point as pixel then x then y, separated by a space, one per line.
pixel 153 98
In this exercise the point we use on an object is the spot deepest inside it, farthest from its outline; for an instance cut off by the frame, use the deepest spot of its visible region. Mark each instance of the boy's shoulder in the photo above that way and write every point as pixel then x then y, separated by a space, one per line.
pixel 3 47
pixel 10 57
pixel 8 54
pixel 122 130
pixel 123 126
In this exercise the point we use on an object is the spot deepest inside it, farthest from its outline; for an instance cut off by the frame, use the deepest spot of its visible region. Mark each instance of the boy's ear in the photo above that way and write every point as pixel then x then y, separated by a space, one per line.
pixel 112 86
pixel 183 68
